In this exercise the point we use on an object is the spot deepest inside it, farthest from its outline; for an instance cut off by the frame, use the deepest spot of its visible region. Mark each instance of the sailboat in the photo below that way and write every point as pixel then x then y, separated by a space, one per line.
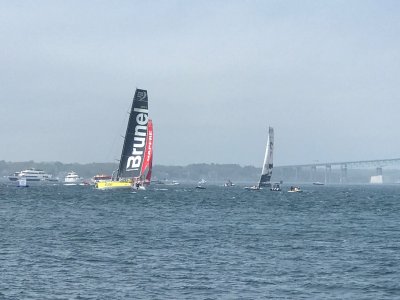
pixel 200 184
pixel 266 173
pixel 137 152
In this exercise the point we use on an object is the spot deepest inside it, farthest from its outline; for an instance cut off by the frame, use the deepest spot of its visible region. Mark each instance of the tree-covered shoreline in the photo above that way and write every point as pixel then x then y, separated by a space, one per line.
pixel 189 173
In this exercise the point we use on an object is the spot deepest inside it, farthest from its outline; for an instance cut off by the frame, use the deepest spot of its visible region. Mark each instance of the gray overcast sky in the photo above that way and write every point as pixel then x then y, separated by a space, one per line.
pixel 324 74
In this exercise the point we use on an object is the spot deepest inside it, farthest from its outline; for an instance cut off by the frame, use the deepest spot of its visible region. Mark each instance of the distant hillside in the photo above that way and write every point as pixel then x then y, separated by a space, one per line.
pixel 58 168
pixel 210 172
pixel 216 173
pixel 193 172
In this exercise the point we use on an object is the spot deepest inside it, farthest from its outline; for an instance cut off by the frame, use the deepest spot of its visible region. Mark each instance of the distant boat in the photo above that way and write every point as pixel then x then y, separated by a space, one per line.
pixel 200 187
pixel 318 183
pixel 229 183
pixel 294 189
pixel 31 175
pixel 135 165
pixel 166 182
pixel 22 182
pixel 200 184
pixel 266 173
pixel 276 187
pixel 253 188
pixel 72 179
pixel 377 179
pixel 13 177
pixel 172 182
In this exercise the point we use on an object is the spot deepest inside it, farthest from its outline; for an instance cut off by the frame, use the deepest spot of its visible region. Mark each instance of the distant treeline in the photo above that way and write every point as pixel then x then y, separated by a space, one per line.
pixel 192 172
pixel 216 173
pixel 58 168
pixel 209 172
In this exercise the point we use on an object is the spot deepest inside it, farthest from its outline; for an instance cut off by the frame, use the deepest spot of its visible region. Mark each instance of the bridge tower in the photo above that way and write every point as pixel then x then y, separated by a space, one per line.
pixel 379 171
pixel 343 173
pixel 313 174
pixel 328 172
pixel 298 171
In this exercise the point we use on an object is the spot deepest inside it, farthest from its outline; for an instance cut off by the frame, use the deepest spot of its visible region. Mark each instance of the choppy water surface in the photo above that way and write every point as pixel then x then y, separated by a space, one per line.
pixel 62 242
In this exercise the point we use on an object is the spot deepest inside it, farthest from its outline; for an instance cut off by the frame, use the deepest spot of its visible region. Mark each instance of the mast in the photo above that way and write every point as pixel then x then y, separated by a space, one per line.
pixel 266 172
pixel 135 138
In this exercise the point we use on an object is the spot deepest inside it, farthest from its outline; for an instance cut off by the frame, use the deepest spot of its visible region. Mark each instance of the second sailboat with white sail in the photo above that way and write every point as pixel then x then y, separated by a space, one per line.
pixel 266 173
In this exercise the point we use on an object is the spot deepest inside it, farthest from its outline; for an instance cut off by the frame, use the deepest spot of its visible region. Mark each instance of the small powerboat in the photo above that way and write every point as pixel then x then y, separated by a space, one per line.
pixel 276 187
pixel 229 183
pixel 253 188
pixel 72 179
pixel 200 184
pixel 138 186
pixel 294 189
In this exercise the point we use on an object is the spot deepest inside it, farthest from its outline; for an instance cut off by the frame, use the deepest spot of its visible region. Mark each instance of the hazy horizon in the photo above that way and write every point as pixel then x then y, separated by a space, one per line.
pixel 325 75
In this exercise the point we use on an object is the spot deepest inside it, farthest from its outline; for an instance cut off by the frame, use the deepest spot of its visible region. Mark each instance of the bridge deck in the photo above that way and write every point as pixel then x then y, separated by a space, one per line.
pixel 360 163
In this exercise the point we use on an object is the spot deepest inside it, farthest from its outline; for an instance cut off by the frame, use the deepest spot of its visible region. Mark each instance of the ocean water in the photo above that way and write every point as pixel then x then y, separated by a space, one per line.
pixel 329 242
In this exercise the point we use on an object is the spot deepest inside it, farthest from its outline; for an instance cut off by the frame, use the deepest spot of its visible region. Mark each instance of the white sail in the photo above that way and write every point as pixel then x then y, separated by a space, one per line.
pixel 266 172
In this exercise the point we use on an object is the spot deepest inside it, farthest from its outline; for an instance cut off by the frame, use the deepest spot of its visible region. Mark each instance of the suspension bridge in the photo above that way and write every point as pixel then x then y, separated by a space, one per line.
pixel 314 168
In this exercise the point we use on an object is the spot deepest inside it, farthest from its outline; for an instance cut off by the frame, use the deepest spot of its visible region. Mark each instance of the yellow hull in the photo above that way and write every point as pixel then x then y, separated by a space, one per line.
pixel 104 185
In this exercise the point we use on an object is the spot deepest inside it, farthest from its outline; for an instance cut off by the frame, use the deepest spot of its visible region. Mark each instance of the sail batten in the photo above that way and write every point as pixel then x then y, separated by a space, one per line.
pixel 266 173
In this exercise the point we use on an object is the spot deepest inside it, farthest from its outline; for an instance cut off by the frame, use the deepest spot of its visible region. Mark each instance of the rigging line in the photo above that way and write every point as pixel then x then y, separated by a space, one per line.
pixel 112 148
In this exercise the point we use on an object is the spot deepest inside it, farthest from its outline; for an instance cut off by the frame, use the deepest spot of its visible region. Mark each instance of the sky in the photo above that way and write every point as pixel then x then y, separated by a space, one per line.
pixel 324 74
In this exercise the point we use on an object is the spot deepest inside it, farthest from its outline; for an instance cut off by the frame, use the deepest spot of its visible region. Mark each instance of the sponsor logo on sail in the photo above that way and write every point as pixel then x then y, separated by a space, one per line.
pixel 139 140
pixel 141 96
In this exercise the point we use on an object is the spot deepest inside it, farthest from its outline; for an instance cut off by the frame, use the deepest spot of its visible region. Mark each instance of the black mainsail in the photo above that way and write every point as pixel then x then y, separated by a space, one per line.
pixel 133 151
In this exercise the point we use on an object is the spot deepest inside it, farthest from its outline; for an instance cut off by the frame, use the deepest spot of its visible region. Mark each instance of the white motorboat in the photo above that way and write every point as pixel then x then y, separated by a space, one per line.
pixel 22 182
pixel 31 175
pixel 200 184
pixel 72 178
pixel 253 188
pixel 294 189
